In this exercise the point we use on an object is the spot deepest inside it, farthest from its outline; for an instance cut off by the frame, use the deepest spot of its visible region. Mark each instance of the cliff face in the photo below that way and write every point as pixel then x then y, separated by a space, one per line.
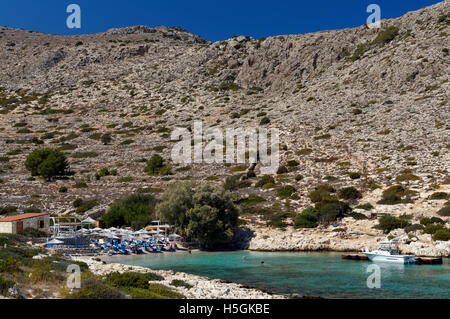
pixel 354 100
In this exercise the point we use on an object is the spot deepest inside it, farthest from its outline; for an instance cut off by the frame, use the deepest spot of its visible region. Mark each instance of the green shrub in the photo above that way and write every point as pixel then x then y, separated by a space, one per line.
pixel 229 85
pixel 293 163
pixel 133 207
pixel 414 227
pixel 238 168
pixel 326 187
pixel 97 290
pixel 132 279
pixel 442 234
pixel 266 179
pixel 251 200
pixel 5 210
pixel 80 184
pixel 407 177
pixel 43 272
pixel 106 138
pixel 244 184
pixel 444 211
pixel 398 190
pixel 8 239
pixel 127 142
pixel 180 283
pixel 9 264
pixel 275 222
pixel 231 183
pixel 286 191
pixel 433 220
pixel 357 216
pixel 164 291
pixel 390 199
pixel 269 185
pixel 102 173
pixel 438 196
pixel 387 35
pixel 159 292
pixel 264 120
pixel 396 194
pixel 330 210
pixel 307 219
pixel 275 218
pixel 83 206
pixel 77 202
pixel 433 228
pixel 366 206
pixel 156 166
pixel 445 18
pixel 85 155
pixel 321 193
pixel 5 285
pixel 388 223
pixel 322 137
pixel 359 52
pixel 282 170
pixel 349 193
pixel 304 151
pixel 33 232
pixel 47 163
pixel 251 174
pixel 62 189
pixel 354 175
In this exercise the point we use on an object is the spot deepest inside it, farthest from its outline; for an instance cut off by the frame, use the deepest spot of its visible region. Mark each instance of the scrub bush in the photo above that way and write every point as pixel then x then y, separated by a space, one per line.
pixel 387 223
pixel 132 279
pixel 5 284
pixel 349 193
pixel 180 283
pixel 444 211
pixel 442 234
pixel 266 179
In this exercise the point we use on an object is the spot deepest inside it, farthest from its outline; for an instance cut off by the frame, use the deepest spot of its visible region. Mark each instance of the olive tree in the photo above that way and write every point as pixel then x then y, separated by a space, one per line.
pixel 204 212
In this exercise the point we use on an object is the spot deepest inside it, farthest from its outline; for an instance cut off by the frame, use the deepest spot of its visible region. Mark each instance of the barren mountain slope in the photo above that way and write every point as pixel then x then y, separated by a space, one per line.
pixel 355 100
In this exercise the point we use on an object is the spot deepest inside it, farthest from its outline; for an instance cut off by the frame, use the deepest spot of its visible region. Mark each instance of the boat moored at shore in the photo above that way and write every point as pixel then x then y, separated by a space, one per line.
pixel 389 252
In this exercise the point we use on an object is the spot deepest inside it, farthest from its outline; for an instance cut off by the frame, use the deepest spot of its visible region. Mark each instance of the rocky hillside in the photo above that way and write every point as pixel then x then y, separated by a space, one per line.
pixel 364 101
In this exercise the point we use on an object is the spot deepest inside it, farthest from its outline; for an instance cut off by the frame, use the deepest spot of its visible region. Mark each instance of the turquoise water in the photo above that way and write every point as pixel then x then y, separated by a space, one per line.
pixel 311 274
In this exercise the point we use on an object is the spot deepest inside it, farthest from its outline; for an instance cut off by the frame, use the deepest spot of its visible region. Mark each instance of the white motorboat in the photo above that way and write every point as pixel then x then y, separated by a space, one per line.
pixel 388 252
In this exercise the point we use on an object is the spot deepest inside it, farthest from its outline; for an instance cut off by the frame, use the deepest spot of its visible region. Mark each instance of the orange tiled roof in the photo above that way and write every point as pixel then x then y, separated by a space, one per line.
pixel 21 216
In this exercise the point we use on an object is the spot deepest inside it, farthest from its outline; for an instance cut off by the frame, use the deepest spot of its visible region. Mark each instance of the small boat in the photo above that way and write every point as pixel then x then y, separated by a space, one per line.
pixel 389 252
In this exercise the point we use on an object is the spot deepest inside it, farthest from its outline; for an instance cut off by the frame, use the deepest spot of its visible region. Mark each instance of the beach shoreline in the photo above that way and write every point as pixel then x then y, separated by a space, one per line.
pixel 202 287
pixel 354 239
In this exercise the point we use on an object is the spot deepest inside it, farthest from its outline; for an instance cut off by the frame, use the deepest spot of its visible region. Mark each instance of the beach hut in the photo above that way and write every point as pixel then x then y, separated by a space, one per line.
pixel 17 223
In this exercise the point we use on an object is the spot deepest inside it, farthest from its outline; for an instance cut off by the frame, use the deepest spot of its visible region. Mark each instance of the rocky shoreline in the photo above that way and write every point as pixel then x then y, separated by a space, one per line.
pixel 202 287
pixel 350 241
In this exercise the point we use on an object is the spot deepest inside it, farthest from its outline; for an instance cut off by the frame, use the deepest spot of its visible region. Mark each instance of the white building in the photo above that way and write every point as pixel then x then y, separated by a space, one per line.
pixel 17 223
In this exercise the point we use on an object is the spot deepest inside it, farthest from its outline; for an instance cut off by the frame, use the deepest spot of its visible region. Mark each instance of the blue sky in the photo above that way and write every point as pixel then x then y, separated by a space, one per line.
pixel 212 19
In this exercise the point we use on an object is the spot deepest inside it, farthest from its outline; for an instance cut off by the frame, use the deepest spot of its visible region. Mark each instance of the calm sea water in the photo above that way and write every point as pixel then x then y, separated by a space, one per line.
pixel 312 274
